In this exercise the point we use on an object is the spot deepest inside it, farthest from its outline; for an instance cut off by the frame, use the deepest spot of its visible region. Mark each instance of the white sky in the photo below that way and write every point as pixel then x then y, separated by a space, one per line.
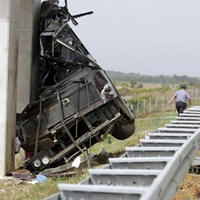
pixel 142 36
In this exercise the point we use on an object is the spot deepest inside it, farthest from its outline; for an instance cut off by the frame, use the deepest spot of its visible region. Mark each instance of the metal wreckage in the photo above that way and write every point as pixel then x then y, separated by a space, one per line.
pixel 78 104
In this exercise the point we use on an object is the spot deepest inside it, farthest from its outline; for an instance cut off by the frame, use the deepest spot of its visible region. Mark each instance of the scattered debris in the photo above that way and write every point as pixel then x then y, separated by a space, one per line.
pixel 65 174
pixel 69 168
pixel 22 174
pixel 103 157
pixel 41 178
pixel 195 168
pixel 2 191
pixel 196 162
pixel 33 182
pixel 11 181
pixel 76 163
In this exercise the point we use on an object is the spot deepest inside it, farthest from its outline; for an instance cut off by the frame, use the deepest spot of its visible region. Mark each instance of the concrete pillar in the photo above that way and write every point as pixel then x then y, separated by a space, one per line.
pixel 28 52
pixel 8 81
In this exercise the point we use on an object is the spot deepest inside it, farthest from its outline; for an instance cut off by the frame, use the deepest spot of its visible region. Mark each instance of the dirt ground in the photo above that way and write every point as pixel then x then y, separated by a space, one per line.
pixel 189 189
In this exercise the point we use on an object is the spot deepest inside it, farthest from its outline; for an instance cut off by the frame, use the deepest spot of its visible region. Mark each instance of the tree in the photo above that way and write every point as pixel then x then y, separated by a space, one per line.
pixel 132 82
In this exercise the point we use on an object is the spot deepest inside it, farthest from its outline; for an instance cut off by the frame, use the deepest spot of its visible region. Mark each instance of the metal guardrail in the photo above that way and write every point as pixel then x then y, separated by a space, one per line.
pixel 151 171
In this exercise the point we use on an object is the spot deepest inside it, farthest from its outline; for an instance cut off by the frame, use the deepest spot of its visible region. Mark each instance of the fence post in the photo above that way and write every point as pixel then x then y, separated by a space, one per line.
pixel 196 93
pixel 138 107
pixel 166 100
pixel 150 105
pixel 156 103
pixel 144 106
pixel 192 93
pixel 169 107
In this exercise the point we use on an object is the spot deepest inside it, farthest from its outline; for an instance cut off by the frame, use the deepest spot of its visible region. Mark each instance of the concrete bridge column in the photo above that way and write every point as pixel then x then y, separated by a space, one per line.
pixel 18 69
pixel 8 81
pixel 28 55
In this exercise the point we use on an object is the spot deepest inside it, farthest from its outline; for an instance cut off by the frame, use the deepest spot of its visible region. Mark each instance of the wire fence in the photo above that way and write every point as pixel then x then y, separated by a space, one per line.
pixel 160 102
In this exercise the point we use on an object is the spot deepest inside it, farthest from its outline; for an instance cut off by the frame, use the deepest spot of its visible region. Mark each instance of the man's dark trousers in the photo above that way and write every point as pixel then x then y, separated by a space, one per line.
pixel 180 106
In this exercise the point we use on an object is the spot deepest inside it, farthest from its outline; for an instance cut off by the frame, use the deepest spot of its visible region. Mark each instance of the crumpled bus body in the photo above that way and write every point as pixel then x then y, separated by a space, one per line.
pixel 77 103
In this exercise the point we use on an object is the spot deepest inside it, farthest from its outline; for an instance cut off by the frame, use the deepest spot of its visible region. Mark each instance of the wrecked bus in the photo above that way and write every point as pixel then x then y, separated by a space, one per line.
pixel 77 104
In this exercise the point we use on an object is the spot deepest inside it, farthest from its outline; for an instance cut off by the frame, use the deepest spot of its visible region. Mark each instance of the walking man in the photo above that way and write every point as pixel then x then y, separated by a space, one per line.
pixel 181 97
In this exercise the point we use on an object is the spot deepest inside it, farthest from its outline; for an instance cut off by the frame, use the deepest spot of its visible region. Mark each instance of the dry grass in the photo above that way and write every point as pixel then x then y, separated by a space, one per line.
pixel 189 189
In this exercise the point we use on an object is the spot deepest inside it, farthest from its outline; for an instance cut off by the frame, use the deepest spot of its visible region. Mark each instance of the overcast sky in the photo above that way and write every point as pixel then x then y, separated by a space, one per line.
pixel 142 36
